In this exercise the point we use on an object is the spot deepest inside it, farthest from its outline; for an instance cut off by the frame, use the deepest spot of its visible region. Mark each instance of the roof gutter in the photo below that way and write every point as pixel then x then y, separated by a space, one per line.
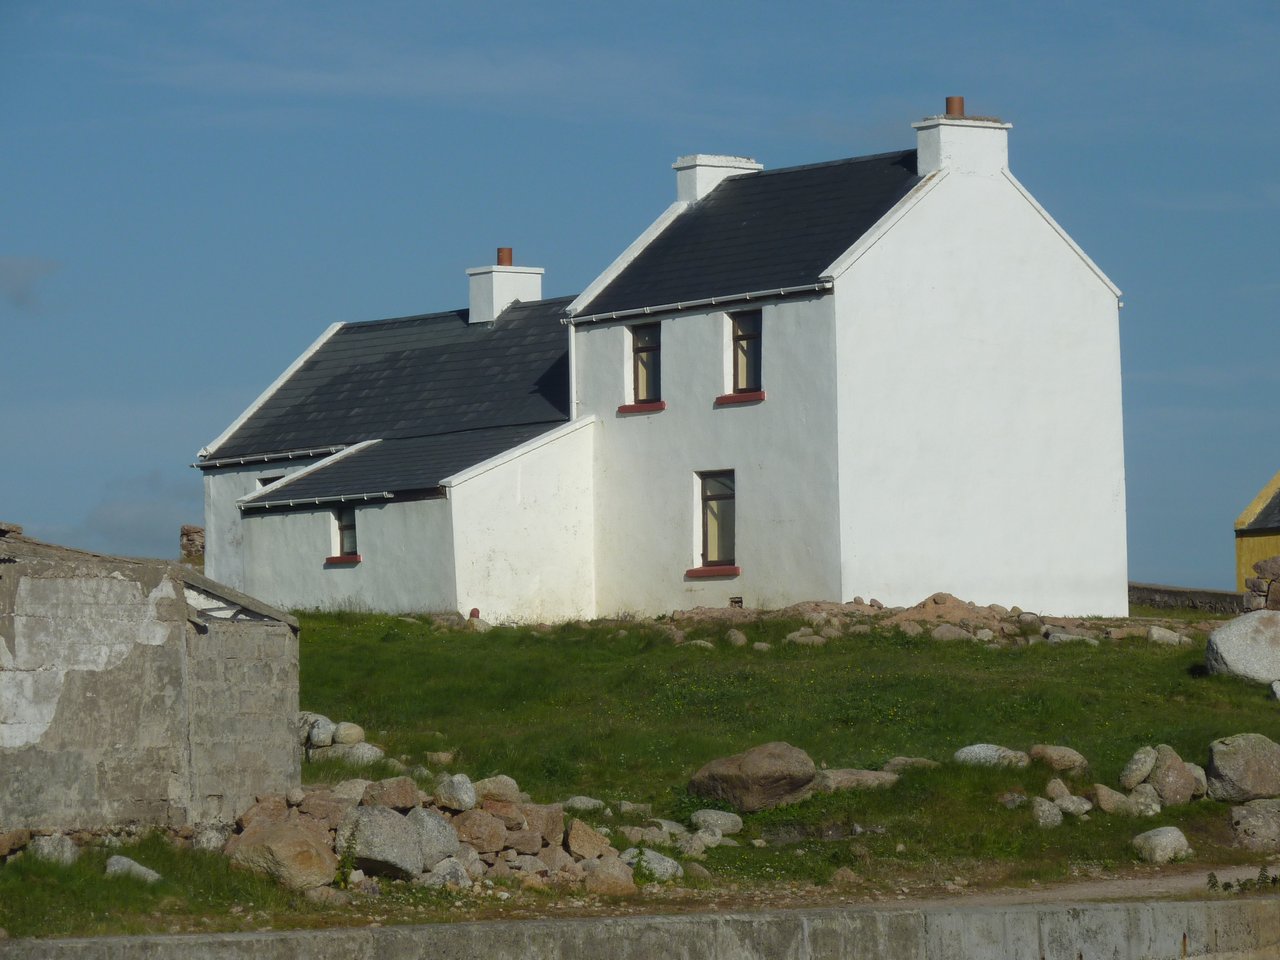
pixel 315 501
pixel 265 457
pixel 821 285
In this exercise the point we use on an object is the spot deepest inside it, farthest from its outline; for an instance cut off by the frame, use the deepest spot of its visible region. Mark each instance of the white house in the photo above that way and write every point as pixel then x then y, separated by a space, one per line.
pixel 883 376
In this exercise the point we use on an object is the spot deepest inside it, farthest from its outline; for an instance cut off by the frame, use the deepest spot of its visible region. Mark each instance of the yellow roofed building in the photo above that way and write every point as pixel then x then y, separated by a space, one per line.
pixel 1258 531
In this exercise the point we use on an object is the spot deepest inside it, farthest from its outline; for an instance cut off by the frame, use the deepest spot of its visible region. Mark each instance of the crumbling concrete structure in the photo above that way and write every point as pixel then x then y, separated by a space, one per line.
pixel 136 692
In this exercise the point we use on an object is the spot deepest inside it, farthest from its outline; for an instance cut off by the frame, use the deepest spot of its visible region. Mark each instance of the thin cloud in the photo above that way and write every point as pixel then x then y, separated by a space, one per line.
pixel 20 278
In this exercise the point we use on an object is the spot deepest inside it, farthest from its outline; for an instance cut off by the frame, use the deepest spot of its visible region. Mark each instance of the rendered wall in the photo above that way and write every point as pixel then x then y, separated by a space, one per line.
pixel 223 533
pixel 115 709
pixel 981 447
pixel 782 450
pixel 1253 548
pixel 524 533
pixel 406 551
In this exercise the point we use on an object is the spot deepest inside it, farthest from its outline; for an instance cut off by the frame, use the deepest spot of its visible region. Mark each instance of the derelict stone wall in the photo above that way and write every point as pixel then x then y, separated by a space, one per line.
pixel 116 708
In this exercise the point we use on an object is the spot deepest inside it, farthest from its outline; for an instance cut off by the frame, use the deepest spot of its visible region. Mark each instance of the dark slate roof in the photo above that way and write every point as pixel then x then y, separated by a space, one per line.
pixel 761 231
pixel 388 466
pixel 416 377
pixel 1268 517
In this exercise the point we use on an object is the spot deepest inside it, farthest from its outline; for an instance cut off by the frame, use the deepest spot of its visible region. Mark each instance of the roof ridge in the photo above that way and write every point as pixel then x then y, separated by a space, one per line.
pixel 461 313
pixel 824 163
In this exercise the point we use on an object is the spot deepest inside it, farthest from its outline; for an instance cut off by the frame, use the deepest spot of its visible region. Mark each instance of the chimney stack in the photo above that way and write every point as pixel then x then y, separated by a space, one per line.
pixel 495 288
pixel 700 173
pixel 959 144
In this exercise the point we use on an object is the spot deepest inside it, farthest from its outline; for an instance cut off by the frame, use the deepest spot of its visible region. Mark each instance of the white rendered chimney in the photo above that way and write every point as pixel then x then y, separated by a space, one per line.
pixel 960 144
pixel 495 288
pixel 699 173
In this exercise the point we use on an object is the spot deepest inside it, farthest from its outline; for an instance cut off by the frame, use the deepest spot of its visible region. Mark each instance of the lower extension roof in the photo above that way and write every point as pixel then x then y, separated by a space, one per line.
pixel 381 469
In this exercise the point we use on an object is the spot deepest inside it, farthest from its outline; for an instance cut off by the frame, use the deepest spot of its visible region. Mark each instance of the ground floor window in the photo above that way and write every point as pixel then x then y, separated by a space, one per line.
pixel 346 521
pixel 717 518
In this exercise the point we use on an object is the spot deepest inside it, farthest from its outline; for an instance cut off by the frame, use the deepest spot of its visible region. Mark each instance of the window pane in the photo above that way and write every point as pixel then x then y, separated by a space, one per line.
pixel 646 336
pixel 747 324
pixel 648 366
pixel 717 485
pixel 719 532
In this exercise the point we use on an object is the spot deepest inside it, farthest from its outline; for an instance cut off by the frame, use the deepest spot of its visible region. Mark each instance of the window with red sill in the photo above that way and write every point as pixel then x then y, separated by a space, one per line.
pixel 746 349
pixel 718 525
pixel 348 551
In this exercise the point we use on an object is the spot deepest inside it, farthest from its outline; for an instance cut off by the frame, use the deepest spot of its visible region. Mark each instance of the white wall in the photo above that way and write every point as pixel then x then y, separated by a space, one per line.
pixel 980 413
pixel 223 540
pixel 406 551
pixel 783 453
pixel 523 530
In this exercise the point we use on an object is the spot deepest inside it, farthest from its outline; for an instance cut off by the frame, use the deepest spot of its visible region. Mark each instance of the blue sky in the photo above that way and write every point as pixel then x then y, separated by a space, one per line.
pixel 192 192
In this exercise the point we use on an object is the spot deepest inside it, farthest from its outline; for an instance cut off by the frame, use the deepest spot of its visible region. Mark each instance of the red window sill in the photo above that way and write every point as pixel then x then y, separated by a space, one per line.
pixel 747 396
pixel 652 406
pixel 347 560
pixel 701 573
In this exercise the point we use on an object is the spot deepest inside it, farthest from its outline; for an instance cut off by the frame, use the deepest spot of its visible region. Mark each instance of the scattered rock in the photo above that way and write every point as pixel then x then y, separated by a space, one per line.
pixel 548 819
pixel 1138 767
pixel 352 790
pixel 321 732
pixel 1056 790
pixel 761 647
pixel 449 872
pixel 584 804
pixel 1162 845
pixel 1144 800
pixel 357 754
pixel 584 843
pixel 628 809
pixel 455 792
pixel 1076 806
pixel 911 628
pixel 899 764
pixel 1110 801
pixel 727 823
pixel 805 639
pixel 833 781
pixel 511 814
pixel 296 853
pixel 756 779
pixel 696 871
pixel 211 837
pixel 659 866
pixel 1244 767
pixel 1256 825
pixel 990 755
pixel 1166 637
pixel 347 732
pixel 385 844
pixel 118 866
pixel 1045 814
pixel 1063 759
pixel 736 638
pixel 1248 646
pixel 437 837
pixel 948 631
pixel 59 849
pixel 1174 783
pixel 1011 799
pixel 326 807
pixel 609 877
pixel 439 758
pixel 12 840
pixel 500 787
pixel 700 644
pixel 399 793
pixel 482 830
pixel 1201 779
pixel 270 808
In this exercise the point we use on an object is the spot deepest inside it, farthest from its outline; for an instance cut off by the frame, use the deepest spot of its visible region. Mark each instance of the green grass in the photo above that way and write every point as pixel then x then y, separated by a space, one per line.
pixel 584 710
pixel 197 891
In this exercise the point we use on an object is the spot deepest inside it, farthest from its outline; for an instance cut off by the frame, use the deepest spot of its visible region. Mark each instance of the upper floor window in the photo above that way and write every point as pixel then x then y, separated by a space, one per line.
pixel 646 363
pixel 746 352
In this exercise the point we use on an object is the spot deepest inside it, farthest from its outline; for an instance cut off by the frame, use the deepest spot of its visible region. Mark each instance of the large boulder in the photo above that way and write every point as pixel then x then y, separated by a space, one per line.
pixel 1138 768
pixel 399 793
pixel 1162 845
pixel 1256 825
pixel 584 843
pixel 757 779
pixel 455 792
pixel 436 835
pixel 296 853
pixel 609 877
pixel 1174 782
pixel 384 844
pixel 482 830
pixel 1244 767
pixel 1248 646
pixel 727 823
pixel 1063 759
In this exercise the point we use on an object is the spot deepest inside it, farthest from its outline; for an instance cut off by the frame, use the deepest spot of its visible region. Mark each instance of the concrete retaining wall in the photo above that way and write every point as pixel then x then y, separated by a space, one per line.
pixel 1221 929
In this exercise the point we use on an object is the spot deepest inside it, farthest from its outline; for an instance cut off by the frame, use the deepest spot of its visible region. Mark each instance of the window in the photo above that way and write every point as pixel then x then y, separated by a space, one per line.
pixel 646 363
pixel 744 349
pixel 746 352
pixel 718 516
pixel 344 521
